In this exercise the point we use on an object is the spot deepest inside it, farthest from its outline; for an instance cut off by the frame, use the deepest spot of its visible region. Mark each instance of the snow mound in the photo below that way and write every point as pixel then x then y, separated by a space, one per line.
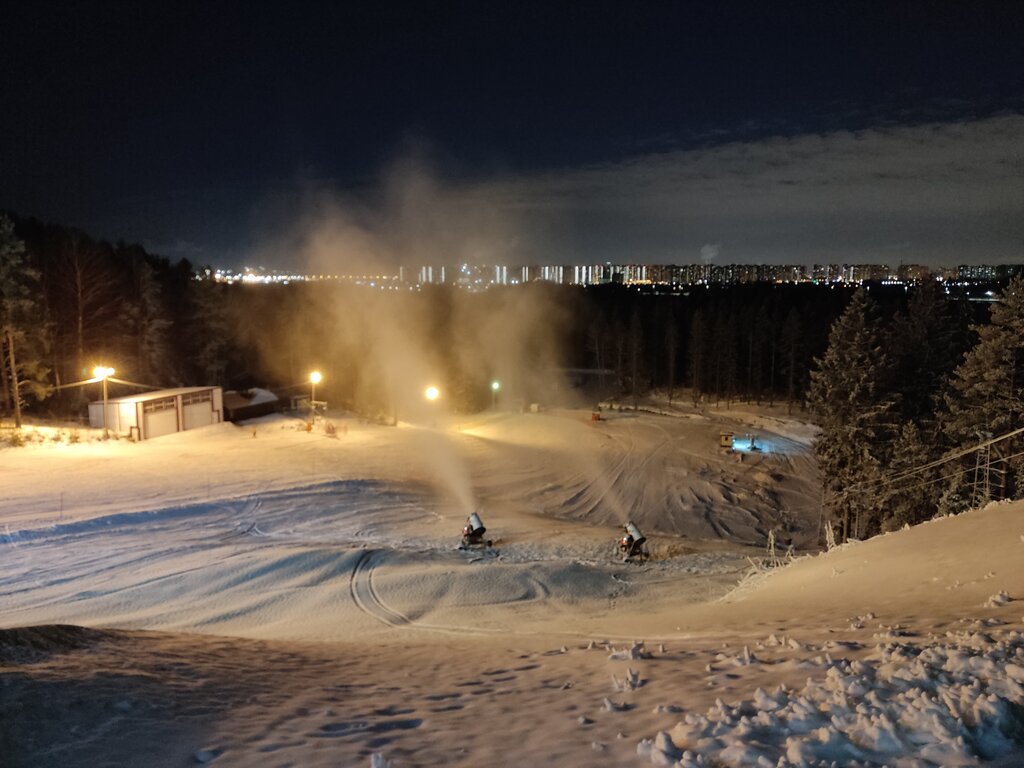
pixel 950 703
pixel 940 564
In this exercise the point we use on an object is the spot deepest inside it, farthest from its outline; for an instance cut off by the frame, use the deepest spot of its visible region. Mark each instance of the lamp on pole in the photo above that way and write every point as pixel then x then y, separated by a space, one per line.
pixel 314 379
pixel 495 386
pixel 432 393
pixel 103 373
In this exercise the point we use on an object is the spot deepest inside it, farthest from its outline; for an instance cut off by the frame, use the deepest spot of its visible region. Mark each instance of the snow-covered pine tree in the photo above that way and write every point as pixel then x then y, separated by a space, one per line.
pixel 986 400
pixel 913 498
pixel 957 492
pixel 923 346
pixel 851 405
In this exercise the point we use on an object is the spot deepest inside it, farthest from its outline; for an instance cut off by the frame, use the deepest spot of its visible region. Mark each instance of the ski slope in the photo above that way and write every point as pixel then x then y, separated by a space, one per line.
pixel 330 566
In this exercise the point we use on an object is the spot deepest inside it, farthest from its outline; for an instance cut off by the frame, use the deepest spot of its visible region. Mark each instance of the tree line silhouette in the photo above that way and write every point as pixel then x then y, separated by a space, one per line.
pixel 897 378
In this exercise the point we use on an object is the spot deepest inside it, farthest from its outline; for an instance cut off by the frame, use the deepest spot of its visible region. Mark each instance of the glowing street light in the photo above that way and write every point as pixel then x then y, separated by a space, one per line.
pixel 314 378
pixel 495 386
pixel 103 373
pixel 432 393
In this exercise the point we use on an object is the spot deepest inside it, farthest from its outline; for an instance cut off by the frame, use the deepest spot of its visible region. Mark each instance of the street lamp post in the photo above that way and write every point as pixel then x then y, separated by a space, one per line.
pixel 432 393
pixel 495 386
pixel 103 373
pixel 314 379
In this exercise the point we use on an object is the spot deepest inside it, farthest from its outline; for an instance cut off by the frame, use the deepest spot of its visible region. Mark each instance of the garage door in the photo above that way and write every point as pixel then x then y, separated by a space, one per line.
pixel 160 417
pixel 198 409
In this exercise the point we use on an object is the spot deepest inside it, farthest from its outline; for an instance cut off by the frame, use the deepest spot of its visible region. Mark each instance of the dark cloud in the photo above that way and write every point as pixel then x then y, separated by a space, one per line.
pixel 936 193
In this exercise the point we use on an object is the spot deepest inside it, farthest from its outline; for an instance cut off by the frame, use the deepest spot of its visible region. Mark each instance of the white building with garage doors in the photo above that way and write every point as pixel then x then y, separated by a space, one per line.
pixel 161 412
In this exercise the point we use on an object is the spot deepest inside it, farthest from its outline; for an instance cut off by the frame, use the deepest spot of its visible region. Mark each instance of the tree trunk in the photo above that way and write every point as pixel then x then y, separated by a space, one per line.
pixel 14 378
pixel 56 365
pixel 79 322
pixel 5 392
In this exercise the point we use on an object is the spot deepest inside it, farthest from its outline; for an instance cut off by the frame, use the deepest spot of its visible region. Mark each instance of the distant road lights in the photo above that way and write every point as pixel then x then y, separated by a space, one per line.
pixel 495 386
pixel 432 393
pixel 103 373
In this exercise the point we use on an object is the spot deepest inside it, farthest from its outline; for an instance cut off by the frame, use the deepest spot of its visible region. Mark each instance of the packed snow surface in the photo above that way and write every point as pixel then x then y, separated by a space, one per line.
pixel 261 594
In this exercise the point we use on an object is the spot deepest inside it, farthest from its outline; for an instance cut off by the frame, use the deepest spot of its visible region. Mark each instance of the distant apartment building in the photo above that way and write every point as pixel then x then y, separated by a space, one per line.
pixel 552 273
pixel 587 274
pixel 825 273
pixel 694 274
pixel 852 273
pixel 988 272
pixel 431 275
pixel 976 272
pixel 863 273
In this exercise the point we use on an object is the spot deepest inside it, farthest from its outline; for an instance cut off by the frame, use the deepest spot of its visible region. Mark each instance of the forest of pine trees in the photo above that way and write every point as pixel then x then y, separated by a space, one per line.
pixel 70 302
pixel 902 401
pixel 896 379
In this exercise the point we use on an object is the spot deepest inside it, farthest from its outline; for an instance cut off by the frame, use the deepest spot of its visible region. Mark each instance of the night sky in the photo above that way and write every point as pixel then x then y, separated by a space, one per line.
pixel 342 135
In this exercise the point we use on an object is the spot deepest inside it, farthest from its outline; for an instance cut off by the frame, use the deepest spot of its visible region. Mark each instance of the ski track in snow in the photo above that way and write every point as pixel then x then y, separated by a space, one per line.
pixel 366 597
pixel 265 553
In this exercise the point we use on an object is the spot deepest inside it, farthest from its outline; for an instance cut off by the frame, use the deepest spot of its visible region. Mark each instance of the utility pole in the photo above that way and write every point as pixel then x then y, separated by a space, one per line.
pixel 105 433
pixel 103 373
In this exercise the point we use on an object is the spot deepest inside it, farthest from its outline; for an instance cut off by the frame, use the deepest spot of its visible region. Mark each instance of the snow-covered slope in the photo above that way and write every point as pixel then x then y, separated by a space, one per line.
pixel 930 572
pixel 921 663
pixel 900 649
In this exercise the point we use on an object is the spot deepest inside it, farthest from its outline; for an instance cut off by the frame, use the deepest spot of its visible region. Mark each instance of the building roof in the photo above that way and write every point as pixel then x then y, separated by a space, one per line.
pixel 254 396
pixel 155 394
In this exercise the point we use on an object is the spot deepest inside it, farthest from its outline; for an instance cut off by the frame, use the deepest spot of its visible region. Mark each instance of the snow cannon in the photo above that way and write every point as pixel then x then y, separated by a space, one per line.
pixel 631 546
pixel 473 532
pixel 633 531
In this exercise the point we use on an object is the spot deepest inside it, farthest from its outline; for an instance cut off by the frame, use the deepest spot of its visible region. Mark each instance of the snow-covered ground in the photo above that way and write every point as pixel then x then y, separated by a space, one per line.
pixel 261 595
